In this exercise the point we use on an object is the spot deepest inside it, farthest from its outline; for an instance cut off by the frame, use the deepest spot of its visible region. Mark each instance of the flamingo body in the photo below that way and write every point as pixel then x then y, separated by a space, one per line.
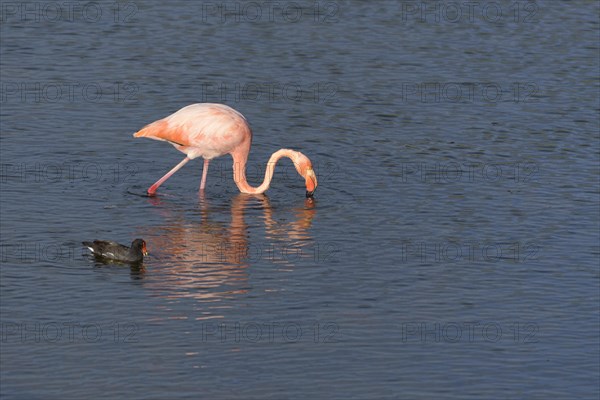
pixel 211 130
pixel 201 130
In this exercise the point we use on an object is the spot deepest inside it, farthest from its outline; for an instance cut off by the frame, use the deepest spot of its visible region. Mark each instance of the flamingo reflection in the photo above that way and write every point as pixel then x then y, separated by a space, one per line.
pixel 203 257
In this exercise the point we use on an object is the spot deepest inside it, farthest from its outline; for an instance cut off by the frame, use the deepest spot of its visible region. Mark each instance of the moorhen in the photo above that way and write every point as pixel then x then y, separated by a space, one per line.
pixel 118 252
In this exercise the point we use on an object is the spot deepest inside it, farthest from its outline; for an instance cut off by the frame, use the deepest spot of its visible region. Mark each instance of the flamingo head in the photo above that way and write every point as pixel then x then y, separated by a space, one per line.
pixel 305 169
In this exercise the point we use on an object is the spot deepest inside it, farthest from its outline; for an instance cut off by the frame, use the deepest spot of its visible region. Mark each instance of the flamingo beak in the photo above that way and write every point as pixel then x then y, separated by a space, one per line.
pixel 311 182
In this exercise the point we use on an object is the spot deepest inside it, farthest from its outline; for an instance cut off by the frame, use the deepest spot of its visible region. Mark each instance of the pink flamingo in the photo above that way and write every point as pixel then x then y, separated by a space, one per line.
pixel 212 130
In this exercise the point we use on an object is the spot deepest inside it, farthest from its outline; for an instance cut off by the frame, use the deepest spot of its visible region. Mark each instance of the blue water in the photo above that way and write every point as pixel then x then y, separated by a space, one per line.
pixel 451 250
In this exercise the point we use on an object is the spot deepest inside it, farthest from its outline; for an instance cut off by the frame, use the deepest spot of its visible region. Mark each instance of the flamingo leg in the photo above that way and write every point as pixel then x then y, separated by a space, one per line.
pixel 204 173
pixel 159 182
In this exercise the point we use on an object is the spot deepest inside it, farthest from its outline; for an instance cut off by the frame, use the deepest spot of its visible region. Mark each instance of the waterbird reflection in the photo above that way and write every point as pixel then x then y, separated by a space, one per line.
pixel 201 257
pixel 137 270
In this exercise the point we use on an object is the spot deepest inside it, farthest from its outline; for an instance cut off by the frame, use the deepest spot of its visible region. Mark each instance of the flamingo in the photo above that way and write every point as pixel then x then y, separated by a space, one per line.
pixel 210 130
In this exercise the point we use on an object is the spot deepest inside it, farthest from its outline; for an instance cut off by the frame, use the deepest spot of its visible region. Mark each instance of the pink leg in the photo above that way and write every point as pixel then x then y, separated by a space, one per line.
pixel 159 182
pixel 204 172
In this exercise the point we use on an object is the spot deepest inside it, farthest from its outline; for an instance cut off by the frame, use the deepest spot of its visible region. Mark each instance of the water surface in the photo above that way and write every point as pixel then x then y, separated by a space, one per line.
pixel 451 250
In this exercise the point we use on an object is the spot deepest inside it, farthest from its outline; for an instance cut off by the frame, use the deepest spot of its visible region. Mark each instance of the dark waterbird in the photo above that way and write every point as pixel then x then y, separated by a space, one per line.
pixel 118 252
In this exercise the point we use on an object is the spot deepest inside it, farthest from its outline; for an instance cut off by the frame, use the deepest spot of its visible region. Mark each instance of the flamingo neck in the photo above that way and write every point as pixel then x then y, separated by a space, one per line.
pixel 239 170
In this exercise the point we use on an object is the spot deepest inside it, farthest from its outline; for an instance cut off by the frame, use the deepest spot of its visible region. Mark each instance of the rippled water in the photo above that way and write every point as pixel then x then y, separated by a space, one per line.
pixel 451 250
